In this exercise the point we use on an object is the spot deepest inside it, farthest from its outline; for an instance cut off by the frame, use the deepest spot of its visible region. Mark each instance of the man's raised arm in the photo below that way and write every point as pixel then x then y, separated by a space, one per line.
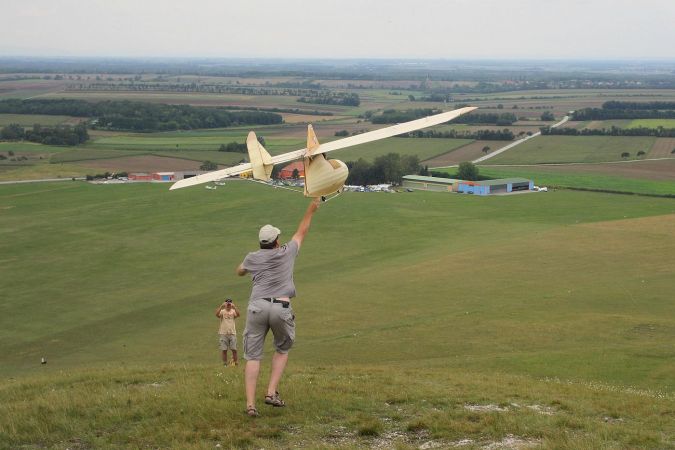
pixel 303 228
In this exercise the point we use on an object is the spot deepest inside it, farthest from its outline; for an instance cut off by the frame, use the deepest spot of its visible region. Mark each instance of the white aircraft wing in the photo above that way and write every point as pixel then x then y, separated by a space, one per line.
pixel 212 176
pixel 363 138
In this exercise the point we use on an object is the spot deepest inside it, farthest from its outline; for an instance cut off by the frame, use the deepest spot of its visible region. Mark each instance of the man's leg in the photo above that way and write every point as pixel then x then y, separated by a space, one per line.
pixel 279 361
pixel 251 379
pixel 234 357
pixel 224 352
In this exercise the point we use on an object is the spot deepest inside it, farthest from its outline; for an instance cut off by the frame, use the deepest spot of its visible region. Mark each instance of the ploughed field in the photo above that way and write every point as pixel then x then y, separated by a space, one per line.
pixel 423 319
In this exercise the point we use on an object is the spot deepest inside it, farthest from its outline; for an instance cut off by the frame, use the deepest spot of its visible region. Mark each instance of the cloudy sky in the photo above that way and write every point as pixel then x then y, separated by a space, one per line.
pixel 340 28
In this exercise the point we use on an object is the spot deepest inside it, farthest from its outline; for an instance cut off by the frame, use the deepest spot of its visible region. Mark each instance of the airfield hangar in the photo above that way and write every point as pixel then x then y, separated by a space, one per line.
pixel 436 184
pixel 484 187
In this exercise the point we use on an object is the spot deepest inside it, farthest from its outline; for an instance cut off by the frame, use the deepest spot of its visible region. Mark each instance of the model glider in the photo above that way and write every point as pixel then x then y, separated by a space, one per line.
pixel 323 176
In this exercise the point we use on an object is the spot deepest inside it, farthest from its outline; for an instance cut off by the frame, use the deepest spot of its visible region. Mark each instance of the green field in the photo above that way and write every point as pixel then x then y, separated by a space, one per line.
pixel 199 141
pixel 28 120
pixel 569 149
pixel 225 158
pixel 412 309
pixel 88 154
pixel 652 123
pixel 423 148
pixel 29 147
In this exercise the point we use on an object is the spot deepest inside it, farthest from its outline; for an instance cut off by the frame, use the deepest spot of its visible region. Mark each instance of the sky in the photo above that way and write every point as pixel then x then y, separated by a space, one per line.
pixel 450 29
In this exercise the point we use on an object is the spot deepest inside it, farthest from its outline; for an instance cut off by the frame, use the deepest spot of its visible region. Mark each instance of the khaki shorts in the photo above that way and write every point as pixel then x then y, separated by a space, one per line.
pixel 261 317
pixel 228 341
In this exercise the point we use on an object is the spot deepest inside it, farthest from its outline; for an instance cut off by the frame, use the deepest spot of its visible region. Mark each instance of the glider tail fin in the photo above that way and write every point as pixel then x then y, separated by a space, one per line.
pixel 261 161
pixel 312 141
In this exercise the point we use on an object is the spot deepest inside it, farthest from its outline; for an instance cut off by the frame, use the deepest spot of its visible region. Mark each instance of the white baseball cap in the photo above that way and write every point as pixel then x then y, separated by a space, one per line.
pixel 268 234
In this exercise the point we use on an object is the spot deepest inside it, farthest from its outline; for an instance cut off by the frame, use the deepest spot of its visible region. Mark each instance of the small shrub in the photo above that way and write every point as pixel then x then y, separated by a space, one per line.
pixel 370 427
pixel 417 425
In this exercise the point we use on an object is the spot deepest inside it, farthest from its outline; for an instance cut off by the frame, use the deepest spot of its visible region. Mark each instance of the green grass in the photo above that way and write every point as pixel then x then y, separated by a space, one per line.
pixel 28 120
pixel 410 307
pixel 424 148
pixel 568 149
pixel 29 147
pixel 87 154
pixel 652 123
pixel 225 158
pixel 548 176
pixel 189 142
pixel 41 171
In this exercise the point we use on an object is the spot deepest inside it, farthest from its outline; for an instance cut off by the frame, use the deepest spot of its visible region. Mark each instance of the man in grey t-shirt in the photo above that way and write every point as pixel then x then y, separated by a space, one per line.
pixel 269 307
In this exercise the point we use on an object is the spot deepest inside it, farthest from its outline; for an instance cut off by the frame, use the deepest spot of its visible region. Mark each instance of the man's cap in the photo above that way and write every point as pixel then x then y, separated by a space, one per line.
pixel 268 234
pixel 228 300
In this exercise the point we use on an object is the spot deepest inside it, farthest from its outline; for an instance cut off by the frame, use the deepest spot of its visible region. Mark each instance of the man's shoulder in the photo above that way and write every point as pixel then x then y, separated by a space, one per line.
pixel 291 245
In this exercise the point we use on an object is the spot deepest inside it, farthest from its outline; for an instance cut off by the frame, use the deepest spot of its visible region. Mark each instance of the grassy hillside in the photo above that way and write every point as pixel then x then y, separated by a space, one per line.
pixel 412 308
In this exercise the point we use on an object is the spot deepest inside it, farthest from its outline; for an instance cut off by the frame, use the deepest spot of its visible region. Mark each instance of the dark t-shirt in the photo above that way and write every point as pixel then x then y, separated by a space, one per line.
pixel 272 271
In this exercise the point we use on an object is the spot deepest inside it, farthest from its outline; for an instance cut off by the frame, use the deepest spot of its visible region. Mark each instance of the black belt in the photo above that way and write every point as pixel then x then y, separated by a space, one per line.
pixel 284 303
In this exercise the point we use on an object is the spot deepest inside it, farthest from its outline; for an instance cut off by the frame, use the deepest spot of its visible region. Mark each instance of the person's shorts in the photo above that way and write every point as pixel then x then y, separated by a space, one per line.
pixel 262 316
pixel 228 341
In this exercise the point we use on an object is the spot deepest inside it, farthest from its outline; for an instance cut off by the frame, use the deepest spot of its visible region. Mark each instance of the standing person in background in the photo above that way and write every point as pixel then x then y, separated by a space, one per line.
pixel 227 333
pixel 269 307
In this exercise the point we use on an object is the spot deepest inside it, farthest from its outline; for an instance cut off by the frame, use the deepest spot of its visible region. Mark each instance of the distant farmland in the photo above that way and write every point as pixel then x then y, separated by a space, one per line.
pixel 571 149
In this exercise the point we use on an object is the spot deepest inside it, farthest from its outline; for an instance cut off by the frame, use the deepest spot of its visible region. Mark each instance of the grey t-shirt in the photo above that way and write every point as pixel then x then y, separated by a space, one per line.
pixel 272 271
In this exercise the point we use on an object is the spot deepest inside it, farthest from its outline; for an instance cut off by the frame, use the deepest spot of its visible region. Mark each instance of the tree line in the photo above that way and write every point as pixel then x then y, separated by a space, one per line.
pixel 400 116
pixel 333 98
pixel 140 116
pixel 613 114
pixel 614 104
pixel 58 135
pixel 481 135
pixel 218 88
pixel 613 131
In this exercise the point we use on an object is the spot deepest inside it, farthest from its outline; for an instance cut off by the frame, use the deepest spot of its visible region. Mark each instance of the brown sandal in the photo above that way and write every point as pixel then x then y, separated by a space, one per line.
pixel 252 412
pixel 274 400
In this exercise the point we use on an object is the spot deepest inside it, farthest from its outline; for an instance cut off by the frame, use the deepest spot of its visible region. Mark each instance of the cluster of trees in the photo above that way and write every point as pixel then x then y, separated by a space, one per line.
pixel 343 133
pixel 139 116
pixel 433 97
pixel 59 135
pixel 208 166
pixel 482 135
pixel 613 131
pixel 613 114
pixel 389 168
pixel 233 147
pixel 236 147
pixel 547 116
pixel 333 98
